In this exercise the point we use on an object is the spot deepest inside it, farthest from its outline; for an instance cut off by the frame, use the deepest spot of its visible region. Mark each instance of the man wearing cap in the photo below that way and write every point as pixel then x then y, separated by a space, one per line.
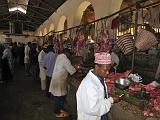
pixel 92 97
pixel 42 73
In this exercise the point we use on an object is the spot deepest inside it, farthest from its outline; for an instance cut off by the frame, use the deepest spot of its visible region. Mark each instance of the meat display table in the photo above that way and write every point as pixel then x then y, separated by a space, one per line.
pixel 119 111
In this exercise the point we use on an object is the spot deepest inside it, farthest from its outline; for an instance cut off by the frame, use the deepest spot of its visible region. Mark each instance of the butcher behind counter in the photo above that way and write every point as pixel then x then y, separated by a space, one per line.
pixel 152 109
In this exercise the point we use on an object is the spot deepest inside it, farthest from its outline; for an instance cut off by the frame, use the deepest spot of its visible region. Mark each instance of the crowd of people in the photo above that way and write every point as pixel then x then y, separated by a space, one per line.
pixel 52 69
pixel 10 54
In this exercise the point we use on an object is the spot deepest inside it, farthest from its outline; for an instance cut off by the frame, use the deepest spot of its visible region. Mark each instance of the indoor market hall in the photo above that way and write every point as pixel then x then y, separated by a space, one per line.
pixel 79 59
pixel 22 99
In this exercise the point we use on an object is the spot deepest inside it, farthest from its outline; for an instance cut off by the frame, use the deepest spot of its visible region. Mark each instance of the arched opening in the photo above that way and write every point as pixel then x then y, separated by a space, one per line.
pixel 123 22
pixel 51 28
pixel 126 19
pixel 63 26
pixel 40 33
pixel 62 22
pixel 85 14
pixel 80 11
pixel 45 31
pixel 88 15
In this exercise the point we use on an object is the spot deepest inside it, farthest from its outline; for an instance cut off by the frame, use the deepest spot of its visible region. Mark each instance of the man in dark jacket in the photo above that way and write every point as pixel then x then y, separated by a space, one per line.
pixel 33 57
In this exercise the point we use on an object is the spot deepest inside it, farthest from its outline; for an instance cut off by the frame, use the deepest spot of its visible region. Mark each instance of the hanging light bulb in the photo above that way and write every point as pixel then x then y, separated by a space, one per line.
pixel 89 40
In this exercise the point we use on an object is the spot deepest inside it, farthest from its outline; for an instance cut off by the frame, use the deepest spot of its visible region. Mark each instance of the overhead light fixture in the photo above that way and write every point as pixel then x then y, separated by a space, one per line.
pixel 89 40
pixel 18 8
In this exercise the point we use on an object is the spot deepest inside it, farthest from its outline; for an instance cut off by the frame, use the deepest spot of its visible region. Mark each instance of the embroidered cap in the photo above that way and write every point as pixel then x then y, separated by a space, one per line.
pixel 102 58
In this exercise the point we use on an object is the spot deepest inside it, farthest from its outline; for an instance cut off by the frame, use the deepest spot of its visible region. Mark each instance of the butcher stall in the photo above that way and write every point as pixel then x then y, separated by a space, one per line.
pixel 140 101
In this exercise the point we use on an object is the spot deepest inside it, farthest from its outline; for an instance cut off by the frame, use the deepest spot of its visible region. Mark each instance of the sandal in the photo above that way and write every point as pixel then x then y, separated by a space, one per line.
pixel 63 111
pixel 62 115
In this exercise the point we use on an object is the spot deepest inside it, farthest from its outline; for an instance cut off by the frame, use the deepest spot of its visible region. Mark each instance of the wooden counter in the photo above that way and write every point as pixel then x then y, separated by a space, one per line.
pixel 119 111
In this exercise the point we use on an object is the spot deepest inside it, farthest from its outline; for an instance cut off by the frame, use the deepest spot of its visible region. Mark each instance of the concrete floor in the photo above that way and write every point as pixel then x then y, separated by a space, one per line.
pixel 22 99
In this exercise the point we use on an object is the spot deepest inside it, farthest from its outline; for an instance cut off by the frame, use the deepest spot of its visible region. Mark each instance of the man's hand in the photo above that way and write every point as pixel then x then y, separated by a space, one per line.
pixel 116 99
pixel 77 66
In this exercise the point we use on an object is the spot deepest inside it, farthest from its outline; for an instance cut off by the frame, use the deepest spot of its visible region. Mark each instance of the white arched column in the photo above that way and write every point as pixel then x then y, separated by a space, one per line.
pixel 79 12
pixel 51 27
pixel 45 31
pixel 61 23
pixel 73 11
pixel 40 33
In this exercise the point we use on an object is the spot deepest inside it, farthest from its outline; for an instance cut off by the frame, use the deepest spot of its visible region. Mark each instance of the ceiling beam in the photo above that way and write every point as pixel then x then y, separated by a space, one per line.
pixel 38 13
pixel 9 15
pixel 40 22
pixel 30 25
pixel 58 2
pixel 34 6
pixel 36 17
pixel 6 13
pixel 1 5
pixel 23 21
pixel 25 17
pixel 46 4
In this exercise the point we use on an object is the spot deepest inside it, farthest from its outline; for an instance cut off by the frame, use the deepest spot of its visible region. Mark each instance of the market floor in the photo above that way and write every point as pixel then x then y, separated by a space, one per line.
pixel 22 99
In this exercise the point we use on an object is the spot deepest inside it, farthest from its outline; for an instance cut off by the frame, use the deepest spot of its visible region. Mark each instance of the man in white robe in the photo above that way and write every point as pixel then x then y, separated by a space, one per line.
pixel 42 73
pixel 26 58
pixel 92 97
pixel 58 85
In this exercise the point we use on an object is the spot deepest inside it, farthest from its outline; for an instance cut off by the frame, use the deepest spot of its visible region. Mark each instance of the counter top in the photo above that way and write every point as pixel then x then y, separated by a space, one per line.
pixel 120 111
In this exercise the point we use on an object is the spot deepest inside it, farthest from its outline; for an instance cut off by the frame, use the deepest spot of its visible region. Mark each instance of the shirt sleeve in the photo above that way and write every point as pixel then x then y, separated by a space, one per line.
pixel 68 66
pixel 45 60
pixel 39 57
pixel 5 54
pixel 27 49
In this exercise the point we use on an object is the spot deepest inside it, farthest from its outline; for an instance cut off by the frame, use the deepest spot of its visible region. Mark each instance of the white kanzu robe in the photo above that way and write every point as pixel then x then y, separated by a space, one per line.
pixel 26 52
pixel 42 73
pixel 91 104
pixel 58 85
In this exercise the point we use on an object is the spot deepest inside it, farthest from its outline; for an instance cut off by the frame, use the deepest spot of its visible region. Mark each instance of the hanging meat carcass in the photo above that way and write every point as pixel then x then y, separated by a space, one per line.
pixel 56 45
pixel 79 44
pixel 103 42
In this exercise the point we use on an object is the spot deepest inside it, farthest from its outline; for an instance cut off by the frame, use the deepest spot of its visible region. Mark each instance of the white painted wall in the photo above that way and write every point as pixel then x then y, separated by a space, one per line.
pixel 73 9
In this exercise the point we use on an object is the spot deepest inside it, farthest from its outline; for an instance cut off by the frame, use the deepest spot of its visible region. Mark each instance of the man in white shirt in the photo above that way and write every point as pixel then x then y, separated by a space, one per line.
pixel 92 97
pixel 26 58
pixel 42 73
pixel 58 85
pixel 49 63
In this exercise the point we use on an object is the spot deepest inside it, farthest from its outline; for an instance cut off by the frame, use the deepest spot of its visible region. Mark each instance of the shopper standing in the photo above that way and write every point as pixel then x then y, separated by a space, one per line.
pixel 58 86
pixel 42 73
pixel 49 62
pixel 26 58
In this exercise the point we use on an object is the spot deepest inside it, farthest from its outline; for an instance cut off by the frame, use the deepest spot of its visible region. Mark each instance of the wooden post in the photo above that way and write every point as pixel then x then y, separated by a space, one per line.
pixel 135 33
